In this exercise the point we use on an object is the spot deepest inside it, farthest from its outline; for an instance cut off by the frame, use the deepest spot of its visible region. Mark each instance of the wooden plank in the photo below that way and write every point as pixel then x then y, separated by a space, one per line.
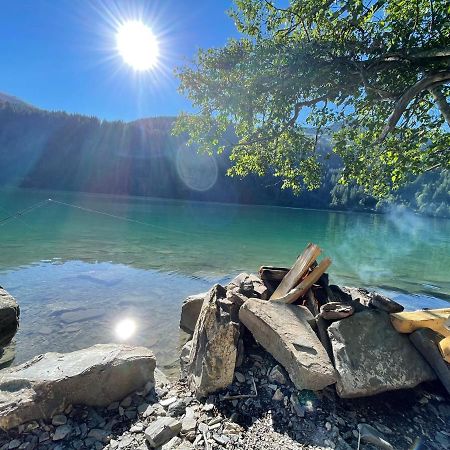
pixel 298 270
pixel 435 319
pixel 302 288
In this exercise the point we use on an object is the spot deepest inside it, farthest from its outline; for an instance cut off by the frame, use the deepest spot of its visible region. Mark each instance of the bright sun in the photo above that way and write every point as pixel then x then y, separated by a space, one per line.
pixel 137 45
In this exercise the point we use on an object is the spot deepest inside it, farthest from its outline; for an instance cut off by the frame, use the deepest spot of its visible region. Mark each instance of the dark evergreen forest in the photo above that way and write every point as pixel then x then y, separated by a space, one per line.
pixel 60 151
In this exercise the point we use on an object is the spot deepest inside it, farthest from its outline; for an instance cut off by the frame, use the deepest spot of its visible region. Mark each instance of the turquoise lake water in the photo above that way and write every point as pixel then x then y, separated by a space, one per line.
pixel 78 275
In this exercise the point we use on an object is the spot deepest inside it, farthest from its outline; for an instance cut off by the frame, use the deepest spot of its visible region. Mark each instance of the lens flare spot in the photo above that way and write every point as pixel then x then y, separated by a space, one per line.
pixel 125 329
pixel 198 172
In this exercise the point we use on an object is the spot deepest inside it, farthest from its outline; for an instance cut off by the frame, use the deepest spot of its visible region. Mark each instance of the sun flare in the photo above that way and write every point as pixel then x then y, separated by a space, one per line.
pixel 125 329
pixel 137 45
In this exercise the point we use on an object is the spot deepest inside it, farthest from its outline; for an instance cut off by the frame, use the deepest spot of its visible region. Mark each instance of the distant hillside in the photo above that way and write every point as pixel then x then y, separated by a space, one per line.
pixel 6 98
pixel 56 150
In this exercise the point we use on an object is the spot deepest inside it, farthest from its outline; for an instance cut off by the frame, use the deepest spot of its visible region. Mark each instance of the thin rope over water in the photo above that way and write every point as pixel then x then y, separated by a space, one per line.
pixel 25 211
pixel 90 210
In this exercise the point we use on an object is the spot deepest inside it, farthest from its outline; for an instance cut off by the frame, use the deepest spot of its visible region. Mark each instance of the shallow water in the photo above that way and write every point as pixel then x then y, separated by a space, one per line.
pixel 77 274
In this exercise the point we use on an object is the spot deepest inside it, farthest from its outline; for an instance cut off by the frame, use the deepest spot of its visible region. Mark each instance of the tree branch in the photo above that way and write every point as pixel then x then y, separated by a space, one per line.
pixel 384 95
pixel 441 101
pixel 402 103
pixel 299 105
pixel 414 55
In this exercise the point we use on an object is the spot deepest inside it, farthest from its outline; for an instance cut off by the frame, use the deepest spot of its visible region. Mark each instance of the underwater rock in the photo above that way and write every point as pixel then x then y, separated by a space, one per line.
pixel 9 317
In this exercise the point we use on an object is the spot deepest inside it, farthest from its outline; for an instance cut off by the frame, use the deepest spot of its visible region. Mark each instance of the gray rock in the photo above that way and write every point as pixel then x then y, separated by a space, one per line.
pixel 278 396
pixel 383 303
pixel 44 437
pixel 372 436
pixel 221 439
pixel 284 332
pixel 190 310
pixel 188 425
pixel 277 375
pixel 372 357
pixel 98 435
pixel 166 402
pixel 162 431
pixel 383 428
pixel 184 358
pixel 321 327
pixel 342 445
pixel 426 340
pixel 160 380
pixel 272 276
pixel 15 443
pixel 59 419
pixel 177 408
pixel 239 377
pixel 137 428
pixel 249 285
pixel 126 402
pixel 95 376
pixel 442 439
pixel 7 354
pixel 80 315
pixel 173 444
pixel 125 440
pixel 213 355
pixel 9 317
pixel 336 311
pixel 240 353
pixel 61 432
pixel 298 408
pixel 142 408
pixel 154 410
pixel 358 298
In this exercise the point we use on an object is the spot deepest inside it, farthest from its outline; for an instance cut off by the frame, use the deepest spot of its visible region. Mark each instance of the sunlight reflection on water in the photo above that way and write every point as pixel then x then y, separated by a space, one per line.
pixel 125 329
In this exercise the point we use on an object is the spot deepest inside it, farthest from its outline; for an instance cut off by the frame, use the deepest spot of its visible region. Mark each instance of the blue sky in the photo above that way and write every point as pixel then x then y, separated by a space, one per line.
pixel 61 55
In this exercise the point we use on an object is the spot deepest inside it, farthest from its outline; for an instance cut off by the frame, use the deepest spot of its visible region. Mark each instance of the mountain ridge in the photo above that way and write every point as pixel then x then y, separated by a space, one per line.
pixel 57 150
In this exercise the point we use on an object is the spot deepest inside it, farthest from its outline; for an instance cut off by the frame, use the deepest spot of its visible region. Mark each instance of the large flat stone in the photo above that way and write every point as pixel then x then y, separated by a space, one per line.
pixel 190 310
pixel 283 330
pixel 9 317
pixel 212 358
pixel 95 376
pixel 371 356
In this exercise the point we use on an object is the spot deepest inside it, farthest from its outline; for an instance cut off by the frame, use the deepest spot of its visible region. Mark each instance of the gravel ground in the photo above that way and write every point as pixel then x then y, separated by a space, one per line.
pixel 260 410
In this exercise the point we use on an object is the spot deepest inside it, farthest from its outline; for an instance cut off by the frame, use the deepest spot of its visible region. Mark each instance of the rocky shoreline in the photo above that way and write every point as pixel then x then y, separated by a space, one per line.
pixel 279 416
pixel 256 374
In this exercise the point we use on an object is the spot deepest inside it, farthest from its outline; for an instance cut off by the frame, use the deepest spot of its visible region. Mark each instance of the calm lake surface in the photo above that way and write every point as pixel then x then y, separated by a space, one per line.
pixel 78 274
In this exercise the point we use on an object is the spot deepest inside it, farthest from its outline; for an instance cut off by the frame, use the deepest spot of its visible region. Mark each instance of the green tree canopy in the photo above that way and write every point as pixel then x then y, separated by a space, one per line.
pixel 374 75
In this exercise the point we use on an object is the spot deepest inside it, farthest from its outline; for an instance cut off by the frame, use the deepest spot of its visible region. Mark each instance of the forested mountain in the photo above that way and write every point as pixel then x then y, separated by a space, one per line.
pixel 56 150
